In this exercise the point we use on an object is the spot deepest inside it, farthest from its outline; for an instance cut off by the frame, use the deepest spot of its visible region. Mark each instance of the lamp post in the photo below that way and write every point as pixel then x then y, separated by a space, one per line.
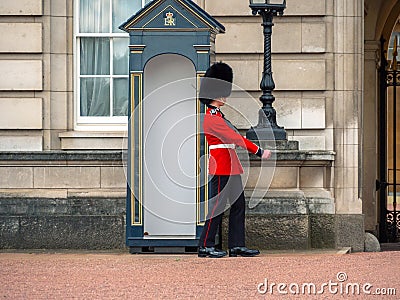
pixel 267 9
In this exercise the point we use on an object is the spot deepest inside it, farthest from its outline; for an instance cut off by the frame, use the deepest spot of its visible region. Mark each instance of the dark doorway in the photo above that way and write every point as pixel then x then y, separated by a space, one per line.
pixel 389 132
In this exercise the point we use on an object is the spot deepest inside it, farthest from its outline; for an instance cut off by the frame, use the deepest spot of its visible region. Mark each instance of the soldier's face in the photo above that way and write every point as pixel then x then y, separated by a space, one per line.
pixel 220 101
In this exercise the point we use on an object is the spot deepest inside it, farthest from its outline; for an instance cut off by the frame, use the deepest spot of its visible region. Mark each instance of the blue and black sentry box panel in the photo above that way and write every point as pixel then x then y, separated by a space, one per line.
pixel 171 47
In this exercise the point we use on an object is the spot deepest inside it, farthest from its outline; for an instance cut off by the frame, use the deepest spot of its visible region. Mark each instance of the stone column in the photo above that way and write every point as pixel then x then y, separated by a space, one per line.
pixel 369 133
pixel 348 89
pixel 58 61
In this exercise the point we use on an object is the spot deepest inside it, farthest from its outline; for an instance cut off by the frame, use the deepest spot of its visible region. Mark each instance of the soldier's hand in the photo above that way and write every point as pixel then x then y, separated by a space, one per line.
pixel 266 154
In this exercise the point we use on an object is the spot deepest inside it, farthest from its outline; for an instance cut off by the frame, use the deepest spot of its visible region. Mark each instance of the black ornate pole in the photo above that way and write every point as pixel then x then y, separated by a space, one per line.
pixel 267 115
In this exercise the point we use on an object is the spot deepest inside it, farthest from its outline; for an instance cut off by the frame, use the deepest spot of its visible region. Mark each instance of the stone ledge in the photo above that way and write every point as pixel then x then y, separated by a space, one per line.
pixel 310 157
pixel 60 155
pixel 278 144
pixel 289 202
pixel 93 134
pixel 115 155
pixel 44 207
pixel 89 140
pixel 54 193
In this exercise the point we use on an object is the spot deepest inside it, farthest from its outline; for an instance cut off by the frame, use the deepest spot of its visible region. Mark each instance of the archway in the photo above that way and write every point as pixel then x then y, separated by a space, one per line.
pixel 380 21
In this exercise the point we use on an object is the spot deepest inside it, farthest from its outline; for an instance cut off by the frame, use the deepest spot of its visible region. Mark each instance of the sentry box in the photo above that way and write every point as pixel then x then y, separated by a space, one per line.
pixel 171 47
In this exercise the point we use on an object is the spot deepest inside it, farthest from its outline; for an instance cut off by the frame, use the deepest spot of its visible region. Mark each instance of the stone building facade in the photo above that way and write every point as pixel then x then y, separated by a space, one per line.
pixel 62 181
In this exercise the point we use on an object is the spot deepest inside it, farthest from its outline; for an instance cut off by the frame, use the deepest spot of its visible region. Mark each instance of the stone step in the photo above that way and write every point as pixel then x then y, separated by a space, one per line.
pixel 288 202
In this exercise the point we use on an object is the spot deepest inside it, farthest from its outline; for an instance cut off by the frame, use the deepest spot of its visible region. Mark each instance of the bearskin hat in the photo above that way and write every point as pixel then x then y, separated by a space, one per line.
pixel 216 83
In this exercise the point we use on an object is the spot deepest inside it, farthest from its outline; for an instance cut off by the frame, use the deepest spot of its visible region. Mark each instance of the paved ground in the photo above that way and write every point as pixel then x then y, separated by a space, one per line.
pixel 84 275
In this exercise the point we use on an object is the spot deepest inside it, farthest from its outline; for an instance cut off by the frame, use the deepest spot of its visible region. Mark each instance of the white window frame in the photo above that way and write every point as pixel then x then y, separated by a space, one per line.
pixel 96 123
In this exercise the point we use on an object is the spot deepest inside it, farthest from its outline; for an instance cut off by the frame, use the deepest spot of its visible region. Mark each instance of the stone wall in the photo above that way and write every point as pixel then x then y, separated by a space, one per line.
pixel 62 200
pixel 62 174
pixel 76 200
pixel 36 79
pixel 302 65
pixel 317 62
pixel 380 18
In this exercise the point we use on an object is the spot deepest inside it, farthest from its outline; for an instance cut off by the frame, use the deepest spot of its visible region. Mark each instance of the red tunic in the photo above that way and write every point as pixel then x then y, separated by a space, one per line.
pixel 222 139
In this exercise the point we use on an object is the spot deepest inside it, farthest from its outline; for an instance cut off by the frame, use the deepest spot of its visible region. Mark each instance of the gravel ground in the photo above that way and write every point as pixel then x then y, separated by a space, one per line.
pixel 87 275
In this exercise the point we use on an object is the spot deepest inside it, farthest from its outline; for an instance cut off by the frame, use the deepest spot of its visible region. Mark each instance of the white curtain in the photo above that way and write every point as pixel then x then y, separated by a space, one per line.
pixel 121 67
pixel 122 10
pixel 95 92
pixel 94 17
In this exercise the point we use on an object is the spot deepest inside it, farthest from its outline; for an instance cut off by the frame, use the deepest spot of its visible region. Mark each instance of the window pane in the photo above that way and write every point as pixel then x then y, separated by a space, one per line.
pixel 95 56
pixel 121 56
pixel 122 10
pixel 120 97
pixel 94 16
pixel 95 97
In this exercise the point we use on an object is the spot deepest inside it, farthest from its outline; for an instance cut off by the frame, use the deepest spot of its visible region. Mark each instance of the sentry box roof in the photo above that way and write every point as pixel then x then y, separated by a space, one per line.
pixel 181 15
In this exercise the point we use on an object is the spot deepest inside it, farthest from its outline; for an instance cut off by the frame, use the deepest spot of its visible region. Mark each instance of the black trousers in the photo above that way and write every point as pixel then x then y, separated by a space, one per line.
pixel 225 192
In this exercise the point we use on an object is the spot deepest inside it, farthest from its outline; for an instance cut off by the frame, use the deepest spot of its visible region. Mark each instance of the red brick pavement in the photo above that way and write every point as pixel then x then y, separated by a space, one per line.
pixel 124 276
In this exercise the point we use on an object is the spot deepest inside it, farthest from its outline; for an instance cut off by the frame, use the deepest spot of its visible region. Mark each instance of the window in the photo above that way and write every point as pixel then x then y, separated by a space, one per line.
pixel 102 53
pixel 391 45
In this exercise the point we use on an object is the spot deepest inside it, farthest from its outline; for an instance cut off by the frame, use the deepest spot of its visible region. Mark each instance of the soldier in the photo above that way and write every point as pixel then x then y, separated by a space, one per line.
pixel 224 166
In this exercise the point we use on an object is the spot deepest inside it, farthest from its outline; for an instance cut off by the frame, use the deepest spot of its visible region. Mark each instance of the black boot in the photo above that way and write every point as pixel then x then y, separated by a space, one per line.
pixel 211 252
pixel 243 251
